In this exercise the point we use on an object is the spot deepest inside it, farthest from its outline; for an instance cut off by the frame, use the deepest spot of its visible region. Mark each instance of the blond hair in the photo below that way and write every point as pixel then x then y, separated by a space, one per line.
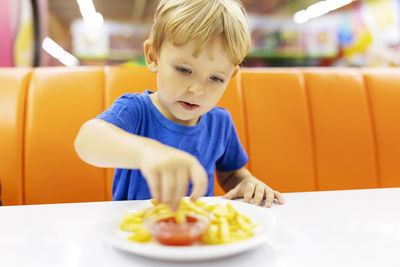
pixel 179 21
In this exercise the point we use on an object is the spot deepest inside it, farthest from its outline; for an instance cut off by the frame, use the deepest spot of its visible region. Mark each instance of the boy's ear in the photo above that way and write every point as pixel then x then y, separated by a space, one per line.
pixel 150 56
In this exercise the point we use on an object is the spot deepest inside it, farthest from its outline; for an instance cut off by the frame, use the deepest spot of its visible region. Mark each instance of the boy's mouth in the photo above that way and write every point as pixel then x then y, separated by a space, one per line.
pixel 187 105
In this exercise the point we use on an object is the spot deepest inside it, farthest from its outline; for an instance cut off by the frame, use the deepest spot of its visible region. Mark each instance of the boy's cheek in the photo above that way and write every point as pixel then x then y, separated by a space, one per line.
pixel 176 83
pixel 170 76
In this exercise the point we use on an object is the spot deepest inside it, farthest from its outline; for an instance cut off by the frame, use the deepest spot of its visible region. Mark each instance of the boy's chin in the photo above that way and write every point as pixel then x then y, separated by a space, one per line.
pixel 187 119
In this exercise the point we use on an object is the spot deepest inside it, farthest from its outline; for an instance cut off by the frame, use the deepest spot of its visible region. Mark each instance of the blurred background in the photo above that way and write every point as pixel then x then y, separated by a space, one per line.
pixel 287 33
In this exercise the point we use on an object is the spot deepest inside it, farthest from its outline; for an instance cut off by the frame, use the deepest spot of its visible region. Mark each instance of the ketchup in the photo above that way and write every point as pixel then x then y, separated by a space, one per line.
pixel 168 232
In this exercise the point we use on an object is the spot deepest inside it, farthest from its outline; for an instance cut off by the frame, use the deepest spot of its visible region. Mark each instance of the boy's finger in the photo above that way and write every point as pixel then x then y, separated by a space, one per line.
pixel 199 179
pixel 167 186
pixel 154 184
pixel 259 194
pixel 269 197
pixel 248 192
pixel 157 188
pixel 181 188
pixel 280 198
pixel 232 193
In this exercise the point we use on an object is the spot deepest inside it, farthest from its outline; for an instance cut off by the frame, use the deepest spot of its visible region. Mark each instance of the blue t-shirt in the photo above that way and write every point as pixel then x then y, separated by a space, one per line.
pixel 213 141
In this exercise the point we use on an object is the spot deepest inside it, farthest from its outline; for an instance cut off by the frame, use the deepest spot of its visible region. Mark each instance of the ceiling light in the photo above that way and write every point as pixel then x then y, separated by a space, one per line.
pixel 318 9
pixel 89 14
pixel 59 53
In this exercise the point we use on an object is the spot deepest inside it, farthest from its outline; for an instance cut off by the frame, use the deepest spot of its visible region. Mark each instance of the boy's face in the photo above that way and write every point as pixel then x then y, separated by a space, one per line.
pixel 188 87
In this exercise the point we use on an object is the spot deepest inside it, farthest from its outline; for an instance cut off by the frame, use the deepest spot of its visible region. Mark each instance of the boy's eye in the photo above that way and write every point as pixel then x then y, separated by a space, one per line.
pixel 183 70
pixel 216 79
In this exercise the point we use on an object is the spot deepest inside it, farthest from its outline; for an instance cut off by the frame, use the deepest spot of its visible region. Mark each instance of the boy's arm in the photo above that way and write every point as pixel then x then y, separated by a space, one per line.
pixel 165 168
pixel 104 145
pixel 241 183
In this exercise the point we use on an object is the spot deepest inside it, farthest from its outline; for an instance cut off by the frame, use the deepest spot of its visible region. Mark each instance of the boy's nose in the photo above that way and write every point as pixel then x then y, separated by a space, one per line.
pixel 197 89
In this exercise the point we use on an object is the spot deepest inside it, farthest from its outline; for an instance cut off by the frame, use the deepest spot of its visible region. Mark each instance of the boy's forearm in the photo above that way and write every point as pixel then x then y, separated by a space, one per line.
pixel 228 180
pixel 104 145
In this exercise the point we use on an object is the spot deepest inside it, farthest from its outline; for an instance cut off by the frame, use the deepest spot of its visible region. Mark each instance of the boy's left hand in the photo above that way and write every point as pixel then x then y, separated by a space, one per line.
pixel 250 188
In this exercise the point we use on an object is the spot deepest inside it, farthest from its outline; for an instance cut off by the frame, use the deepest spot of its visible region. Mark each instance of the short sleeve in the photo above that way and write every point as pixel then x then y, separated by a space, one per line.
pixel 235 156
pixel 124 113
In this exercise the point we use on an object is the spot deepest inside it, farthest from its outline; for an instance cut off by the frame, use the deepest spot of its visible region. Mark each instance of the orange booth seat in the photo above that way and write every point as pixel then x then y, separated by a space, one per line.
pixel 304 129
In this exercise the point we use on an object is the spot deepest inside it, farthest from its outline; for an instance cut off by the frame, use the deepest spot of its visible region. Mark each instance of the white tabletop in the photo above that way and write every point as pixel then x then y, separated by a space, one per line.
pixel 332 228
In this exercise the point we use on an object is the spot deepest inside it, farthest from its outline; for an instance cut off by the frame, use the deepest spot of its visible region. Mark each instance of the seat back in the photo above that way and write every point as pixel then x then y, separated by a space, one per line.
pixel 13 87
pixel 383 89
pixel 278 128
pixel 342 129
pixel 59 101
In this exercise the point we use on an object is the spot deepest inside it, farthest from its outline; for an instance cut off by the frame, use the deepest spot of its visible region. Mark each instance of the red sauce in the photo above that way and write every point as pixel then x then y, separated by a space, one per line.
pixel 168 232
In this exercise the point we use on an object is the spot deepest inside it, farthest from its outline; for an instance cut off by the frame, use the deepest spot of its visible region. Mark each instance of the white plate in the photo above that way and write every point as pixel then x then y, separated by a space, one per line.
pixel 266 227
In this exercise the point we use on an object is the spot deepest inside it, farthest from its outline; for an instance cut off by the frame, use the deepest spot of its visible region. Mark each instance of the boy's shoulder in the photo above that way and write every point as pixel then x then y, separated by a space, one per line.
pixel 219 111
pixel 220 114
pixel 132 98
pixel 128 96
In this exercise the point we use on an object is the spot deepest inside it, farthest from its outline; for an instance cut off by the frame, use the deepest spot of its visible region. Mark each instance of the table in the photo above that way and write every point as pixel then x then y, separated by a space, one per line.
pixel 329 228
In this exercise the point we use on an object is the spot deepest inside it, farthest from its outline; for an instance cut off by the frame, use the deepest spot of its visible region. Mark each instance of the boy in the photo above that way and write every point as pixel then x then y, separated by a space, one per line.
pixel 158 141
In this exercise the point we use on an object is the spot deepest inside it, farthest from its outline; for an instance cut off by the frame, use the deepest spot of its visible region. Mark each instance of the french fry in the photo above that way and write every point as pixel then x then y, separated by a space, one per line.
pixel 155 210
pixel 220 210
pixel 140 236
pixel 200 203
pixel 211 236
pixel 186 203
pixel 224 230
pixel 244 226
pixel 238 236
pixel 132 218
pixel 130 227
pixel 231 210
pixel 180 216
pixel 234 227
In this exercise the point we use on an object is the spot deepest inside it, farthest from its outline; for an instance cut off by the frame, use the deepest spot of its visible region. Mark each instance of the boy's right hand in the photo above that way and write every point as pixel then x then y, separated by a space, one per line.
pixel 167 171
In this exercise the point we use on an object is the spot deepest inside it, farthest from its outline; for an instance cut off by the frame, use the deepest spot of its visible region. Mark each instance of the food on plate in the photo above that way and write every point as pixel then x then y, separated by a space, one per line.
pixel 193 222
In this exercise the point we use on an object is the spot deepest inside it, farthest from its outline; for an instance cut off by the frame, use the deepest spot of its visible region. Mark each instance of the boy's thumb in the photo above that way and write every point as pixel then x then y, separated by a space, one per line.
pixel 231 193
